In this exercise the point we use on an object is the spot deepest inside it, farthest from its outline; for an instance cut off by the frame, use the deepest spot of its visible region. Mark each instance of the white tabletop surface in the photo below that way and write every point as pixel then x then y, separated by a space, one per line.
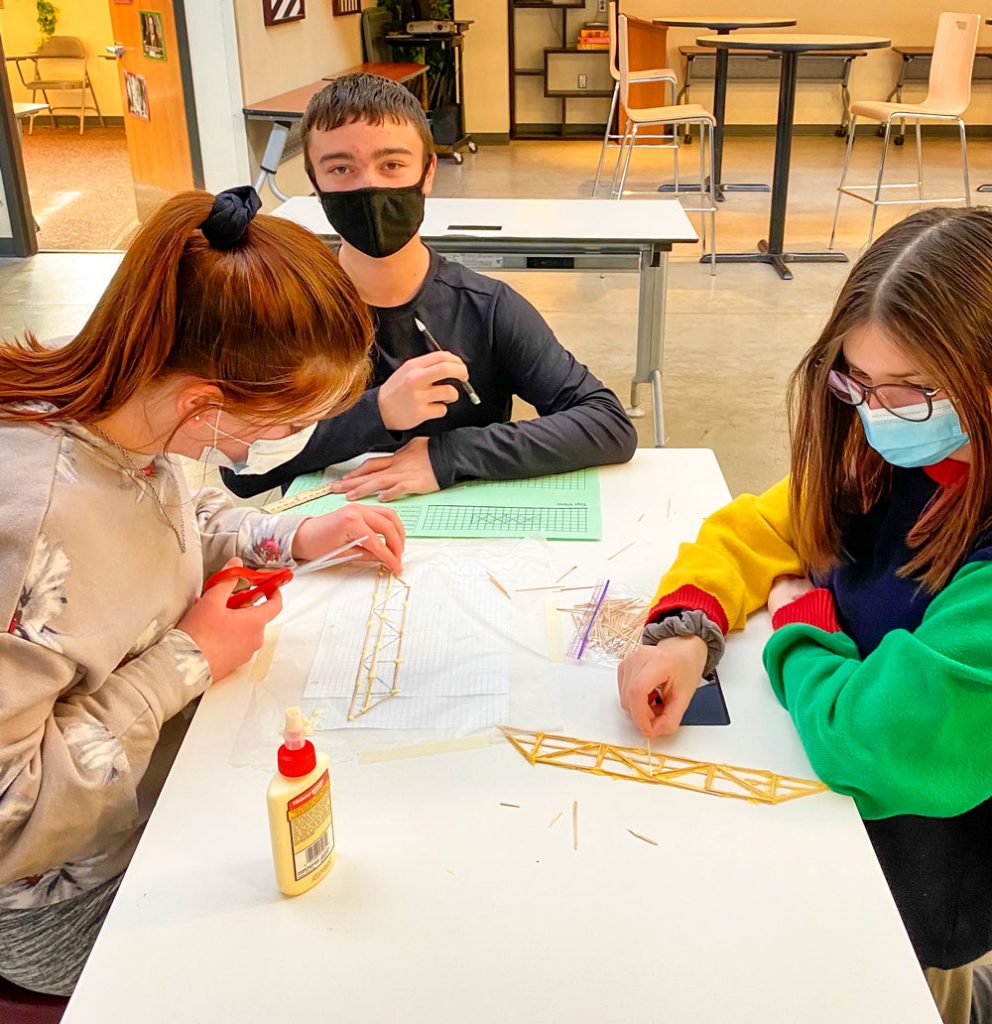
pixel 446 908
pixel 529 219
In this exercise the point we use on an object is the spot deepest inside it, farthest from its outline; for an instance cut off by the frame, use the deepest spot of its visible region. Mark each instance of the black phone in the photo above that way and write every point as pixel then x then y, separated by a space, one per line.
pixel 708 706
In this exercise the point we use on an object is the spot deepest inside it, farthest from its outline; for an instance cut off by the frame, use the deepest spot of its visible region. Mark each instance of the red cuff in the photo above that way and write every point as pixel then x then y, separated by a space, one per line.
pixel 690 599
pixel 814 608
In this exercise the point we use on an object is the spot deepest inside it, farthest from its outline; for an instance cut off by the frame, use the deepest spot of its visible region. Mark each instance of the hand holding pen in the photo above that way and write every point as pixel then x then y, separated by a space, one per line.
pixel 432 343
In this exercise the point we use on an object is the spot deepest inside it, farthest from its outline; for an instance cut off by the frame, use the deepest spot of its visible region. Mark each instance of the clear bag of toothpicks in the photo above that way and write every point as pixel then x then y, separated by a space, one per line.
pixel 607 626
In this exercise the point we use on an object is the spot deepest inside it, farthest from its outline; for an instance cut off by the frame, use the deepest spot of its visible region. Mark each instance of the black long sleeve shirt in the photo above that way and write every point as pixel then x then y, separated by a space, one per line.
pixel 509 350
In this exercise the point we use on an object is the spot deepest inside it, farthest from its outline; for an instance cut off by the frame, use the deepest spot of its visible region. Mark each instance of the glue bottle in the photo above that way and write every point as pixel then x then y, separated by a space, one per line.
pixel 300 818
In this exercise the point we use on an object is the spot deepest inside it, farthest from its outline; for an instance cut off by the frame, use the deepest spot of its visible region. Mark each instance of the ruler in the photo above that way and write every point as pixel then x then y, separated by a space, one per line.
pixel 293 500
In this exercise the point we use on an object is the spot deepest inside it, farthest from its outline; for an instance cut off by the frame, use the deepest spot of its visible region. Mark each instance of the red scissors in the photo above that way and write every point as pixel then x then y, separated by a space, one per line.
pixel 261 583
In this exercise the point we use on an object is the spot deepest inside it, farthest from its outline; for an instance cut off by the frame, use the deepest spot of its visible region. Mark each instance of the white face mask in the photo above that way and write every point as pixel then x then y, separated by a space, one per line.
pixel 264 455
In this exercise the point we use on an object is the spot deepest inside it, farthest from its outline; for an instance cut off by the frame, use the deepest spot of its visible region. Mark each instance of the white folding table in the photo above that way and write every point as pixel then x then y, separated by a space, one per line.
pixel 590 235
pixel 447 908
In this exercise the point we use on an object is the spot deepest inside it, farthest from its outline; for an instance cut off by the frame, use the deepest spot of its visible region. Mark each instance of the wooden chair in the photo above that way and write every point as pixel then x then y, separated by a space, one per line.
pixel 948 96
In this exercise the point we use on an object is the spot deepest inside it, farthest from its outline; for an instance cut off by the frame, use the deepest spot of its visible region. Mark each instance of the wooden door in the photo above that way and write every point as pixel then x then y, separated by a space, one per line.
pixel 149 67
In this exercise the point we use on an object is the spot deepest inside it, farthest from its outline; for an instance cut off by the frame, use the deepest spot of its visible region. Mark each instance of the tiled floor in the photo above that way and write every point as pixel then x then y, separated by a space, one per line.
pixel 731 339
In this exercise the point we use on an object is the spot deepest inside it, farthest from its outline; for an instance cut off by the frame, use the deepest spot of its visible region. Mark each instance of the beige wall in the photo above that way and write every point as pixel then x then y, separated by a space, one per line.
pixel 486 67
pixel 276 59
pixel 912 23
pixel 87 19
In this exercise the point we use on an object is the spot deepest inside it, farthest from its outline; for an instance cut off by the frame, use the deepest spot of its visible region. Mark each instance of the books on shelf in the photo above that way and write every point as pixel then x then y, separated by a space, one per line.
pixel 594 35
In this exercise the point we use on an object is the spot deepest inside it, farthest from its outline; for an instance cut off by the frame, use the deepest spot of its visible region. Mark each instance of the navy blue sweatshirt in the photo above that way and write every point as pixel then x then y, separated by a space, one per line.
pixel 509 350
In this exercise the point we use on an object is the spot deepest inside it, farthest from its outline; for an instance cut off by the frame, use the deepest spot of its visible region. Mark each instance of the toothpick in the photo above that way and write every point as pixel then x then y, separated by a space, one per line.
pixel 566 590
pixel 499 586
pixel 575 824
pixel 554 820
pixel 668 511
pixel 640 517
pixel 567 572
pixel 503 804
pixel 621 551
pixel 643 839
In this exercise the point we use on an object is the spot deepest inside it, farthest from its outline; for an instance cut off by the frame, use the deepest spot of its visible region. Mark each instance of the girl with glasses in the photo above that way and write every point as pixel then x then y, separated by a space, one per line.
pixel 874 558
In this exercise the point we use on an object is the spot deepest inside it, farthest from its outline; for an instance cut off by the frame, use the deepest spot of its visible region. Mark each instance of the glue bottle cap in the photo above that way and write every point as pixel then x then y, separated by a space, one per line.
pixel 296 756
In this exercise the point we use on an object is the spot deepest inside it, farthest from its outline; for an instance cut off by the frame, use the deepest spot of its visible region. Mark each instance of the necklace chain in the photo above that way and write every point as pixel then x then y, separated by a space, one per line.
pixel 141 479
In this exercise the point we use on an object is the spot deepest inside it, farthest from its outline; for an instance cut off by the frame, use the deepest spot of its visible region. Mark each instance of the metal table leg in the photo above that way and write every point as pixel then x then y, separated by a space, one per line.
pixel 271 157
pixel 651 337
pixel 721 74
pixel 772 251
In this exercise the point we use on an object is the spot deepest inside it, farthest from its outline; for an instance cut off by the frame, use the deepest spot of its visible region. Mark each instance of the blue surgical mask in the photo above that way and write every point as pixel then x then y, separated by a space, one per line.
pixel 264 455
pixel 910 443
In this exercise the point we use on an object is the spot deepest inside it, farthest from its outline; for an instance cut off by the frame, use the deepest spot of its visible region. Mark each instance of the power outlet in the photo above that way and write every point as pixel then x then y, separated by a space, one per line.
pixel 601 6
pixel 583 81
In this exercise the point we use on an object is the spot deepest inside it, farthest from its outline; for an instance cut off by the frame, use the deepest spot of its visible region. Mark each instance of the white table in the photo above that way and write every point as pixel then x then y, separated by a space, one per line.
pixel 446 908
pixel 557 234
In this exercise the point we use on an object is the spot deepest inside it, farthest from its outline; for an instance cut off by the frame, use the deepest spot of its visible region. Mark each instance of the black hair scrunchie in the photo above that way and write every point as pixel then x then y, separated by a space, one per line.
pixel 234 209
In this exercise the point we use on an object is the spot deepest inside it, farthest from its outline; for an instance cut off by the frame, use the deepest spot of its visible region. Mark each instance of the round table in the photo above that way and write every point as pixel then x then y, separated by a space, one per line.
pixel 790 45
pixel 722 26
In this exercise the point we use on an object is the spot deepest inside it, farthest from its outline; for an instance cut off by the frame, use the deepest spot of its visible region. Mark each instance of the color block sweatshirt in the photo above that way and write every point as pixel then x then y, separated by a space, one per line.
pixel 890 688
pixel 92 665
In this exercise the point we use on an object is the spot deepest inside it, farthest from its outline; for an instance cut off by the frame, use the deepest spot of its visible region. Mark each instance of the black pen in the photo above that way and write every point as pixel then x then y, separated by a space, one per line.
pixel 433 343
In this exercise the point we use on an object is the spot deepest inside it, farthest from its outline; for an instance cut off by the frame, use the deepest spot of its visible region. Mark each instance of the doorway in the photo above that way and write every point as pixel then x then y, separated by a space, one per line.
pixel 90 184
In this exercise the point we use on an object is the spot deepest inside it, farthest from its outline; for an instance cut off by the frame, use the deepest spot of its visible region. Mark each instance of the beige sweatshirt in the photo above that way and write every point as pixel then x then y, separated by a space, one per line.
pixel 92 584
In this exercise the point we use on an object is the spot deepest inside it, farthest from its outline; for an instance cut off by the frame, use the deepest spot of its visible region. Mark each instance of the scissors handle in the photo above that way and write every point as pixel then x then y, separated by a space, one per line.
pixel 261 583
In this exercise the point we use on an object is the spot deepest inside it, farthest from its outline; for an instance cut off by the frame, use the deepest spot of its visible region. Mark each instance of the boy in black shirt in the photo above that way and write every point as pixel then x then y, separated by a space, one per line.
pixel 369 153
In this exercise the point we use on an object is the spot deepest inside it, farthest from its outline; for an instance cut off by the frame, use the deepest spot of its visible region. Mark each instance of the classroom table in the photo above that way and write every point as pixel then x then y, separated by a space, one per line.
pixel 987 187
pixel 722 26
pixel 445 906
pixel 285 109
pixel 790 45
pixel 558 234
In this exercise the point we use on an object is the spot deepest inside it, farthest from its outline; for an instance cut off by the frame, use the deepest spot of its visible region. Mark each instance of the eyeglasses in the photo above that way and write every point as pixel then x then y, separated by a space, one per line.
pixel 907 401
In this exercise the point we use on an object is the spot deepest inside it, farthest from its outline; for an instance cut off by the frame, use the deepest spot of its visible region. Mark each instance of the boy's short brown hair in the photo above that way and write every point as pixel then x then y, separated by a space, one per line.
pixel 368 98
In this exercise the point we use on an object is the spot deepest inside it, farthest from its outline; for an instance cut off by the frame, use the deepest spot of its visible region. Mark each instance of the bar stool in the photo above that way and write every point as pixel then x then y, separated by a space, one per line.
pixel 676 117
pixel 948 96
pixel 653 75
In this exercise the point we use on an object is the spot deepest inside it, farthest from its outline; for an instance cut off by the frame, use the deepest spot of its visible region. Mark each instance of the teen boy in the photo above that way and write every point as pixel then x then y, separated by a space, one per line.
pixel 369 153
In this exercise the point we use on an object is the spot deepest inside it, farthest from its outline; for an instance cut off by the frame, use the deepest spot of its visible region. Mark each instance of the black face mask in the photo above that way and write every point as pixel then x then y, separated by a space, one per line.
pixel 376 221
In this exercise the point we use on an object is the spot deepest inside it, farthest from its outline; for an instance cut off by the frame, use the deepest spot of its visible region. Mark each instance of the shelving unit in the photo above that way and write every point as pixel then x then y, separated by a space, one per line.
pixel 598 61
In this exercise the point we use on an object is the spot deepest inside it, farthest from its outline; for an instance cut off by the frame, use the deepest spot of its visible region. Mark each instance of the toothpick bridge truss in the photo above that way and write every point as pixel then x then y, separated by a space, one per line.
pixel 378 675
pixel 639 765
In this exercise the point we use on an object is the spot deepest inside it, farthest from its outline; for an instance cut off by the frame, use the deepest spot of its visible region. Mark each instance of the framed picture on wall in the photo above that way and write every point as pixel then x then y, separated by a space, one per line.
pixel 137 95
pixel 347 6
pixel 152 35
pixel 275 12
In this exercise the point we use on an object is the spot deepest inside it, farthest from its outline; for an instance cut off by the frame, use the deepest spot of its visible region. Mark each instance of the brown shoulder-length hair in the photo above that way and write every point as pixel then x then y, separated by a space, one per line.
pixel 274 323
pixel 927 283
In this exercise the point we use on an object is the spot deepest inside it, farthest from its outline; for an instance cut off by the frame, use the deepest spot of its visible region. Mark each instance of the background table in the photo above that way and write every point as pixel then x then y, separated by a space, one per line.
pixel 722 26
pixel 790 45
pixel 558 234
pixel 285 109
pixel 445 907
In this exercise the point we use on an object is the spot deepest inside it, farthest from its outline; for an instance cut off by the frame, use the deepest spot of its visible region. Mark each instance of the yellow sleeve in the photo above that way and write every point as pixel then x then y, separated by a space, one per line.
pixel 729 569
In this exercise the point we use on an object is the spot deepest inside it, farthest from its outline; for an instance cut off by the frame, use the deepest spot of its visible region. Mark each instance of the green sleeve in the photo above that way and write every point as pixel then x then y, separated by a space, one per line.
pixel 908 729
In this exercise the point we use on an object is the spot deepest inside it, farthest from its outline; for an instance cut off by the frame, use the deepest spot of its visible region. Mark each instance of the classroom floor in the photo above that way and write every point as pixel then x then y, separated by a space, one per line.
pixel 731 339
pixel 82 193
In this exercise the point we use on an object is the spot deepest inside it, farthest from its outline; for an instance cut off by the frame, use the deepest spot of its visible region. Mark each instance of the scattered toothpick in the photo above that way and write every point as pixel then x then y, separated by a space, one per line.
pixel 575 824
pixel 503 803
pixel 668 510
pixel 640 517
pixel 567 572
pixel 499 586
pixel 643 839
pixel 621 551
pixel 555 819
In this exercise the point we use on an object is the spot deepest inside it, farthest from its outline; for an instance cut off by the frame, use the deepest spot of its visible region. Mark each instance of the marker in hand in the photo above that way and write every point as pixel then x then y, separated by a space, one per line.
pixel 433 343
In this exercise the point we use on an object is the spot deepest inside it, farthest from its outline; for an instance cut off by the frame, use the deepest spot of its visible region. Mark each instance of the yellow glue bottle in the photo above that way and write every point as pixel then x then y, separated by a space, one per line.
pixel 300 816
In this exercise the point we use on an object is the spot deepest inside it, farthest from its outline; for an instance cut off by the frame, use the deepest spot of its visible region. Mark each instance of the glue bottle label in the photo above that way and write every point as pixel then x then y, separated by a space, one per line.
pixel 311 827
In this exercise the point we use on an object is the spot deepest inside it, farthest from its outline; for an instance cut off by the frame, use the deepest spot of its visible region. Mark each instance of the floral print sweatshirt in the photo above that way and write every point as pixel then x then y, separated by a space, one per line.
pixel 92 666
